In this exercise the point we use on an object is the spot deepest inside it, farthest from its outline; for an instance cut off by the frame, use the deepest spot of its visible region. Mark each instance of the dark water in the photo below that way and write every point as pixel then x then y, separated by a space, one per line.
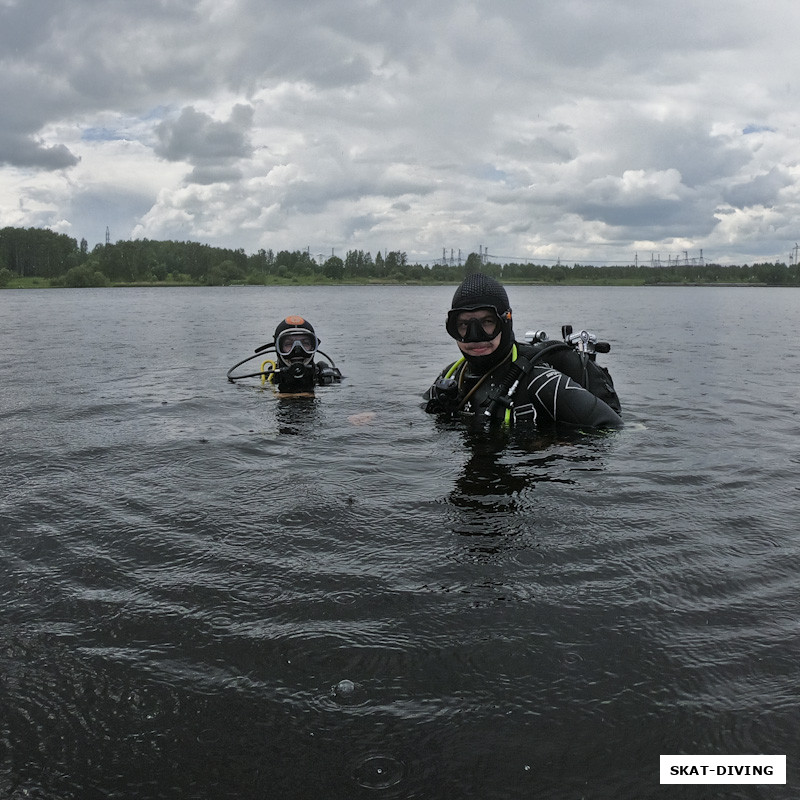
pixel 208 593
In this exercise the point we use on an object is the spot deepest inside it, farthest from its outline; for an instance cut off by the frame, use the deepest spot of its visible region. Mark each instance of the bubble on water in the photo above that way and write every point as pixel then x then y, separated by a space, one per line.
pixel 348 693
pixel 378 772
pixel 344 688
pixel 344 598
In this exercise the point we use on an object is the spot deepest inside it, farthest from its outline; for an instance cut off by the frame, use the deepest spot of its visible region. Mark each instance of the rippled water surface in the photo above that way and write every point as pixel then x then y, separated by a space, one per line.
pixel 210 593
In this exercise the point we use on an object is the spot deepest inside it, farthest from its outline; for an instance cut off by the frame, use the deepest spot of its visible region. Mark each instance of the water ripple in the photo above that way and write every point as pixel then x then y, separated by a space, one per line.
pixel 210 592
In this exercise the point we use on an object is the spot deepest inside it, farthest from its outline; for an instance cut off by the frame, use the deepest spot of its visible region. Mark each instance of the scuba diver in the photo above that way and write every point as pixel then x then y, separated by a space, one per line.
pixel 294 371
pixel 498 378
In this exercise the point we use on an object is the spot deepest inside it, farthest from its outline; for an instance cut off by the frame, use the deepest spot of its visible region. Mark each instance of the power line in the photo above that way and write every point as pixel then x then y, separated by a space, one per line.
pixel 684 259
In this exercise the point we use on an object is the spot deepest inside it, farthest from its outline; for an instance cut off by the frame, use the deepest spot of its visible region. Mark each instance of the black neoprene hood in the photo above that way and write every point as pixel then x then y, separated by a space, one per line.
pixel 480 291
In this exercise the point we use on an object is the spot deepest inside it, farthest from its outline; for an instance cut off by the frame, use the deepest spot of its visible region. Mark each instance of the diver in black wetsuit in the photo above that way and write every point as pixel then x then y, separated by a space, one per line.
pixel 294 371
pixel 500 378
pixel 295 347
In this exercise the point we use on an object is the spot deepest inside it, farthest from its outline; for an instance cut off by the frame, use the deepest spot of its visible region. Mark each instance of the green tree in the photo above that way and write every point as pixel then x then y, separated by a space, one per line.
pixel 474 263
pixel 333 268
pixel 772 274
pixel 159 271
pixel 396 265
pixel 84 276
pixel 224 273
pixel 37 252
pixel 392 262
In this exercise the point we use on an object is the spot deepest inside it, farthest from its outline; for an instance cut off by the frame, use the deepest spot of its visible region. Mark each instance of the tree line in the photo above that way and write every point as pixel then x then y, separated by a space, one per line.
pixel 40 257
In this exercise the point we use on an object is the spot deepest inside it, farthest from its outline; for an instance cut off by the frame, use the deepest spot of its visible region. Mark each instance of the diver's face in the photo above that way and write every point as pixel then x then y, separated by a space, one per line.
pixel 488 322
pixel 296 346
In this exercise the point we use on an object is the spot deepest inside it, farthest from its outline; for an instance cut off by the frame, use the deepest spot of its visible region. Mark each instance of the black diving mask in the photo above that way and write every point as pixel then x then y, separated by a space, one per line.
pixel 482 328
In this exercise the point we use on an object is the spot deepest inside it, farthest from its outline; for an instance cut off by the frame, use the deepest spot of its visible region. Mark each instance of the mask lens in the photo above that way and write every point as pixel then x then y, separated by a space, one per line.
pixel 486 326
pixel 468 327
pixel 288 340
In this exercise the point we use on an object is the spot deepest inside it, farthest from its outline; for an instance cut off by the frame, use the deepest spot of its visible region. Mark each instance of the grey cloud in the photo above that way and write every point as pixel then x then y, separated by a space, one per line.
pixel 358 226
pixel 348 183
pixel 653 218
pixel 446 110
pixel 343 71
pixel 762 190
pixel 22 151
pixel 111 207
pixel 636 141
pixel 198 138
pixel 540 149
pixel 212 174
pixel 328 39
pixel 649 37
pixel 88 55
pixel 693 151
pixel 20 29
pixel 633 212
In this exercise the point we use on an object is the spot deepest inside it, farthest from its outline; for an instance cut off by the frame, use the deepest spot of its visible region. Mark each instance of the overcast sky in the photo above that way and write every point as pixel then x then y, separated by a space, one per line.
pixel 580 130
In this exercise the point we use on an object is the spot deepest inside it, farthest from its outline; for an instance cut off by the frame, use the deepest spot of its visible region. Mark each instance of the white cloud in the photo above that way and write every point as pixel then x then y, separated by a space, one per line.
pixel 586 129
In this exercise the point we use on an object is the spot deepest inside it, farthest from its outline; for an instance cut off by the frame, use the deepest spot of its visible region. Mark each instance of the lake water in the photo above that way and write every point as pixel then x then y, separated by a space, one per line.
pixel 209 593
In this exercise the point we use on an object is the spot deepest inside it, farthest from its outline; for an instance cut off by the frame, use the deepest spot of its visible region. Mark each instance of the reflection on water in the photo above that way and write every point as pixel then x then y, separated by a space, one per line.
pixel 295 416
pixel 211 592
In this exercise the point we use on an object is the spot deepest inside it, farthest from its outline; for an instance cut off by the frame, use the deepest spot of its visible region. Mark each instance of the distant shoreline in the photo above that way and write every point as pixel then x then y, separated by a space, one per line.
pixel 41 283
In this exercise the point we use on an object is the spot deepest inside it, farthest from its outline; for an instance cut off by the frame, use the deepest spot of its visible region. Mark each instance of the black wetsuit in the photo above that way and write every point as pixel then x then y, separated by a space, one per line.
pixel 554 384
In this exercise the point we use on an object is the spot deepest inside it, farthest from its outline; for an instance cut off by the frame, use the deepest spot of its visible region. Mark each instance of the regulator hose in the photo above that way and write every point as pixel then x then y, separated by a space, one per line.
pixel 259 351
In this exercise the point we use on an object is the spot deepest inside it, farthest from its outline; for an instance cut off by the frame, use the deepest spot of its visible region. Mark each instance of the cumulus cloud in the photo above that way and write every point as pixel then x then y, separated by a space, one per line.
pixel 762 190
pixel 213 147
pixel 196 137
pixel 583 129
pixel 22 151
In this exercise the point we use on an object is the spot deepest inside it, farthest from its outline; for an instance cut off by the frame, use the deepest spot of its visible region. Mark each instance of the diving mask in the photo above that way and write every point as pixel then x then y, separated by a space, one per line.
pixel 475 325
pixel 296 343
